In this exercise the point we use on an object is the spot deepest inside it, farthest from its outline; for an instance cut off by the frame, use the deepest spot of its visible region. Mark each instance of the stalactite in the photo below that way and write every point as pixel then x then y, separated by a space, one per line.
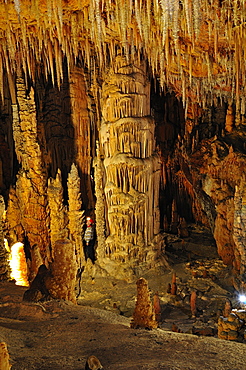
pixel 51 63
pixel 98 26
pixel 188 16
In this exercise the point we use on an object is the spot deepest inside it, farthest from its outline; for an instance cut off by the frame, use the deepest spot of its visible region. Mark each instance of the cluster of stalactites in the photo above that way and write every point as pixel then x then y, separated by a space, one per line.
pixel 196 47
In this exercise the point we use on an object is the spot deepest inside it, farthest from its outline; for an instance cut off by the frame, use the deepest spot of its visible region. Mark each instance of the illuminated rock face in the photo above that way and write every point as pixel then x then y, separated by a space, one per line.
pixel 53 109
pixel 61 283
pixel 18 265
pixel 131 166
pixel 4 357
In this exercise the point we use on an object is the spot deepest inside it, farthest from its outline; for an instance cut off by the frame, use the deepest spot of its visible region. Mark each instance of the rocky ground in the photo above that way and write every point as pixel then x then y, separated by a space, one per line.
pixel 56 335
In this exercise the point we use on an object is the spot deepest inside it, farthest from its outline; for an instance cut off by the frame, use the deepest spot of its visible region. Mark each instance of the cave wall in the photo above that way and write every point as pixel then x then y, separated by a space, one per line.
pixel 157 168
pixel 52 165
pixel 203 176
pixel 144 162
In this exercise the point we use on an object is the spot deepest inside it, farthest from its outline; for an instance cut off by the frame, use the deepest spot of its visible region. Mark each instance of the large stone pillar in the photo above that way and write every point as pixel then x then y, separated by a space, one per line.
pixel 83 133
pixel 27 210
pixel 131 171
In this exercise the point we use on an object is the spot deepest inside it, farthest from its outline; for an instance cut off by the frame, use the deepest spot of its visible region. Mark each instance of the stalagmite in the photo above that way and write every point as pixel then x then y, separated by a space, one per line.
pixel 229 120
pixel 83 133
pixel 31 179
pixel 58 212
pixel 144 312
pixel 61 283
pixel 4 254
pixel 131 176
pixel 76 215
pixel 239 224
pixel 4 357
pixel 100 206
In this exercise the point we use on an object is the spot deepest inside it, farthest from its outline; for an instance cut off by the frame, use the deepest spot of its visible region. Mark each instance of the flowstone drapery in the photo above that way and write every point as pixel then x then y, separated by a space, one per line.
pixel 131 168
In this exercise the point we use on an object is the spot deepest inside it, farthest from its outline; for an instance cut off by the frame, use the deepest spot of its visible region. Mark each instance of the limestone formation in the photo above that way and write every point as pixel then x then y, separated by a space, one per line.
pixel 83 133
pixel 32 178
pixel 157 307
pixel 4 357
pixel 147 99
pixel 233 326
pixel 131 167
pixel 100 205
pixel 18 265
pixel 76 215
pixel 58 212
pixel 144 313
pixel 4 254
pixel 193 298
pixel 30 190
pixel 92 363
pixel 173 285
pixel 37 290
pixel 61 283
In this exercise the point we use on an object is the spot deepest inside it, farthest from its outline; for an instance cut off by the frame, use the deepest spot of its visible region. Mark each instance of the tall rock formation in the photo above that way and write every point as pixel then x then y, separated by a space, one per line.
pixel 131 169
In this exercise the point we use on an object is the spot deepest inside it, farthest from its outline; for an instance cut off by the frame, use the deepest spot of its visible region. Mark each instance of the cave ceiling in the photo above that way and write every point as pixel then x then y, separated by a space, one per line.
pixel 195 48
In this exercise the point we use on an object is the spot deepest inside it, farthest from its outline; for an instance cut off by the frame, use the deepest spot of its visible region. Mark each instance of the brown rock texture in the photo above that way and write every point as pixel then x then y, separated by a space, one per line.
pixel 131 167
pixel 144 312
pixel 76 215
pixel 61 283
pixel 147 100
pixel 4 357
pixel 233 326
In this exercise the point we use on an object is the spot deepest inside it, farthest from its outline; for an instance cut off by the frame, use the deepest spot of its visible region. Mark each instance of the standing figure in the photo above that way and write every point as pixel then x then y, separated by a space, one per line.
pixel 89 240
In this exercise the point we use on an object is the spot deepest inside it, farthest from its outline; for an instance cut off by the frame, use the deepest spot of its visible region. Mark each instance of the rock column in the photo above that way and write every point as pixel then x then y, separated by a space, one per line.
pixel 131 168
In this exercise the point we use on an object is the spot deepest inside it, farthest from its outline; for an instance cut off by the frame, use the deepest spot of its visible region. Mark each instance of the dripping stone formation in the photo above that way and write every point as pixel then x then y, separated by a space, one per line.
pixel 132 113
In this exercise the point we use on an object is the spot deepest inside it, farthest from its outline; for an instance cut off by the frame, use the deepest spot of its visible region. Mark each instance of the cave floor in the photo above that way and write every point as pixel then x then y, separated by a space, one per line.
pixel 56 335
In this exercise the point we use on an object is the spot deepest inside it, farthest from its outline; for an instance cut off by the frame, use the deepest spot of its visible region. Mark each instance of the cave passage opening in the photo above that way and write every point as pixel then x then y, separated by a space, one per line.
pixel 178 204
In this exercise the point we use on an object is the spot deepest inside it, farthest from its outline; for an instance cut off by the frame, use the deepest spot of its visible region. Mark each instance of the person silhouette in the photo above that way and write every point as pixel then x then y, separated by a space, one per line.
pixel 89 240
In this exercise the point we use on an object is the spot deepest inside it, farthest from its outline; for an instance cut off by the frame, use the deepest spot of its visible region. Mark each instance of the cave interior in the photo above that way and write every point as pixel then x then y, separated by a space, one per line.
pixel 129 112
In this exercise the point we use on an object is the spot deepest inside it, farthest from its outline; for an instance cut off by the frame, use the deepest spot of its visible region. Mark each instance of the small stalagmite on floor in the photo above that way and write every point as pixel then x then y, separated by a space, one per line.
pixel 144 313
pixel 92 363
pixel 4 357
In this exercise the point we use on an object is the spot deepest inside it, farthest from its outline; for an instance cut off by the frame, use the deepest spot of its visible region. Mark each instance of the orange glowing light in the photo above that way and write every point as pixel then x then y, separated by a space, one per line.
pixel 18 264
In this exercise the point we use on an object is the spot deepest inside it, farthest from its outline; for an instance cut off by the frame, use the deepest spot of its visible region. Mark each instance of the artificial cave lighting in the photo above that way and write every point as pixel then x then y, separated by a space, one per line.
pixel 242 299
pixel 18 264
